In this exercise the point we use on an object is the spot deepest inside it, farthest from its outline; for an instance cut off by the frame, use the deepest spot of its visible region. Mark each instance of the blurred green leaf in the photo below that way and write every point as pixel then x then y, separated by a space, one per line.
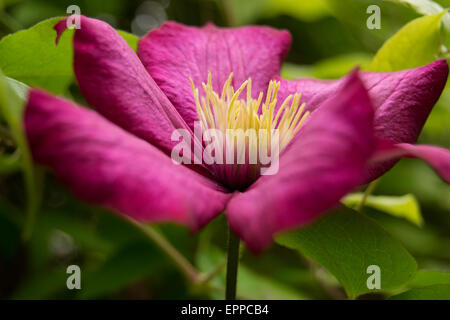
pixel 436 292
pixel 353 14
pixel 249 11
pixel 346 242
pixel 421 242
pixel 414 45
pixel 422 6
pixel 130 38
pixel 339 66
pixel 256 286
pixel 426 7
pixel 406 206
pixel 436 130
pixel 43 285
pixel 428 278
pixel 331 68
pixel 124 267
pixel 291 71
pixel 419 179
pixel 10 233
pixel 12 101
pixel 21 89
pixel 82 236
pixel 302 10
pixel 31 56
pixel 244 12
pixel 14 108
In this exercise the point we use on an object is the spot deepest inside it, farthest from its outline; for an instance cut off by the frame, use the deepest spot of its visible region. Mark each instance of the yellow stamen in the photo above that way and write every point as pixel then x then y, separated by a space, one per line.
pixel 229 112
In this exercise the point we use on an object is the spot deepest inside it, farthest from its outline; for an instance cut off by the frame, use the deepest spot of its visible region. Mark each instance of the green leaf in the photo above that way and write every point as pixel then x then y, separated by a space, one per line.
pixel 436 292
pixel 9 229
pixel 130 38
pixel 43 285
pixel 331 68
pixel 291 71
pixel 406 206
pixel 257 286
pixel 249 11
pixel 83 234
pixel 353 15
pixel 426 7
pixel 338 66
pixel 346 242
pixel 436 130
pixel 414 45
pixel 12 101
pixel 31 56
pixel 302 10
pixel 21 89
pixel 124 267
pixel 429 278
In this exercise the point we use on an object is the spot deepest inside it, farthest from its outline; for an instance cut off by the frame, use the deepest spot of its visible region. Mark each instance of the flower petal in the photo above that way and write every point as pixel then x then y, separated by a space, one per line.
pixel 175 52
pixel 437 157
pixel 326 161
pixel 103 164
pixel 402 100
pixel 114 81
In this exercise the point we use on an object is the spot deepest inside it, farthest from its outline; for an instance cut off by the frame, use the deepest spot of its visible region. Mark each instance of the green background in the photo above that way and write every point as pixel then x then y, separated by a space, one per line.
pixel 118 262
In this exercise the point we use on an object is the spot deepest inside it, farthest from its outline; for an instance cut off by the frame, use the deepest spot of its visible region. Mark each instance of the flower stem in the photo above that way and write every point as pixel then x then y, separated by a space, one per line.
pixel 33 187
pixel 180 261
pixel 232 265
pixel 370 188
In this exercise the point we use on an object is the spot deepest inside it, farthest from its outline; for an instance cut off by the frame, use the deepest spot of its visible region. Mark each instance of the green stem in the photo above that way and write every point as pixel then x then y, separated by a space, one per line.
pixel 180 261
pixel 370 188
pixel 32 178
pixel 232 266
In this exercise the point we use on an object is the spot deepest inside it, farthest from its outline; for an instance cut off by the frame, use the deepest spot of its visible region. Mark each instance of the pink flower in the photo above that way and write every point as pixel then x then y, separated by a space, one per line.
pixel 119 155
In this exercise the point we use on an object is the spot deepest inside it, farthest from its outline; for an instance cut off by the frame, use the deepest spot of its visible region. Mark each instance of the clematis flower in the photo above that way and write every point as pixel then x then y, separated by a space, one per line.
pixel 338 134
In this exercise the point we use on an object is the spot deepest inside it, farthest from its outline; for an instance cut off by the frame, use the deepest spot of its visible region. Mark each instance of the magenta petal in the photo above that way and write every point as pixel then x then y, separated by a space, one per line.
pixel 437 157
pixel 175 52
pixel 114 81
pixel 103 164
pixel 402 100
pixel 327 160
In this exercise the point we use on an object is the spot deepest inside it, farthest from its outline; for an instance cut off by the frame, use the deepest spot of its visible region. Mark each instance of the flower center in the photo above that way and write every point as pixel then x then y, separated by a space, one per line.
pixel 246 132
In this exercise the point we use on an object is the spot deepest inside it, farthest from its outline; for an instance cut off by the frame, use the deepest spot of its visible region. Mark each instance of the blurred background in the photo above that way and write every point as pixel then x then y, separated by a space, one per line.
pixel 118 262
